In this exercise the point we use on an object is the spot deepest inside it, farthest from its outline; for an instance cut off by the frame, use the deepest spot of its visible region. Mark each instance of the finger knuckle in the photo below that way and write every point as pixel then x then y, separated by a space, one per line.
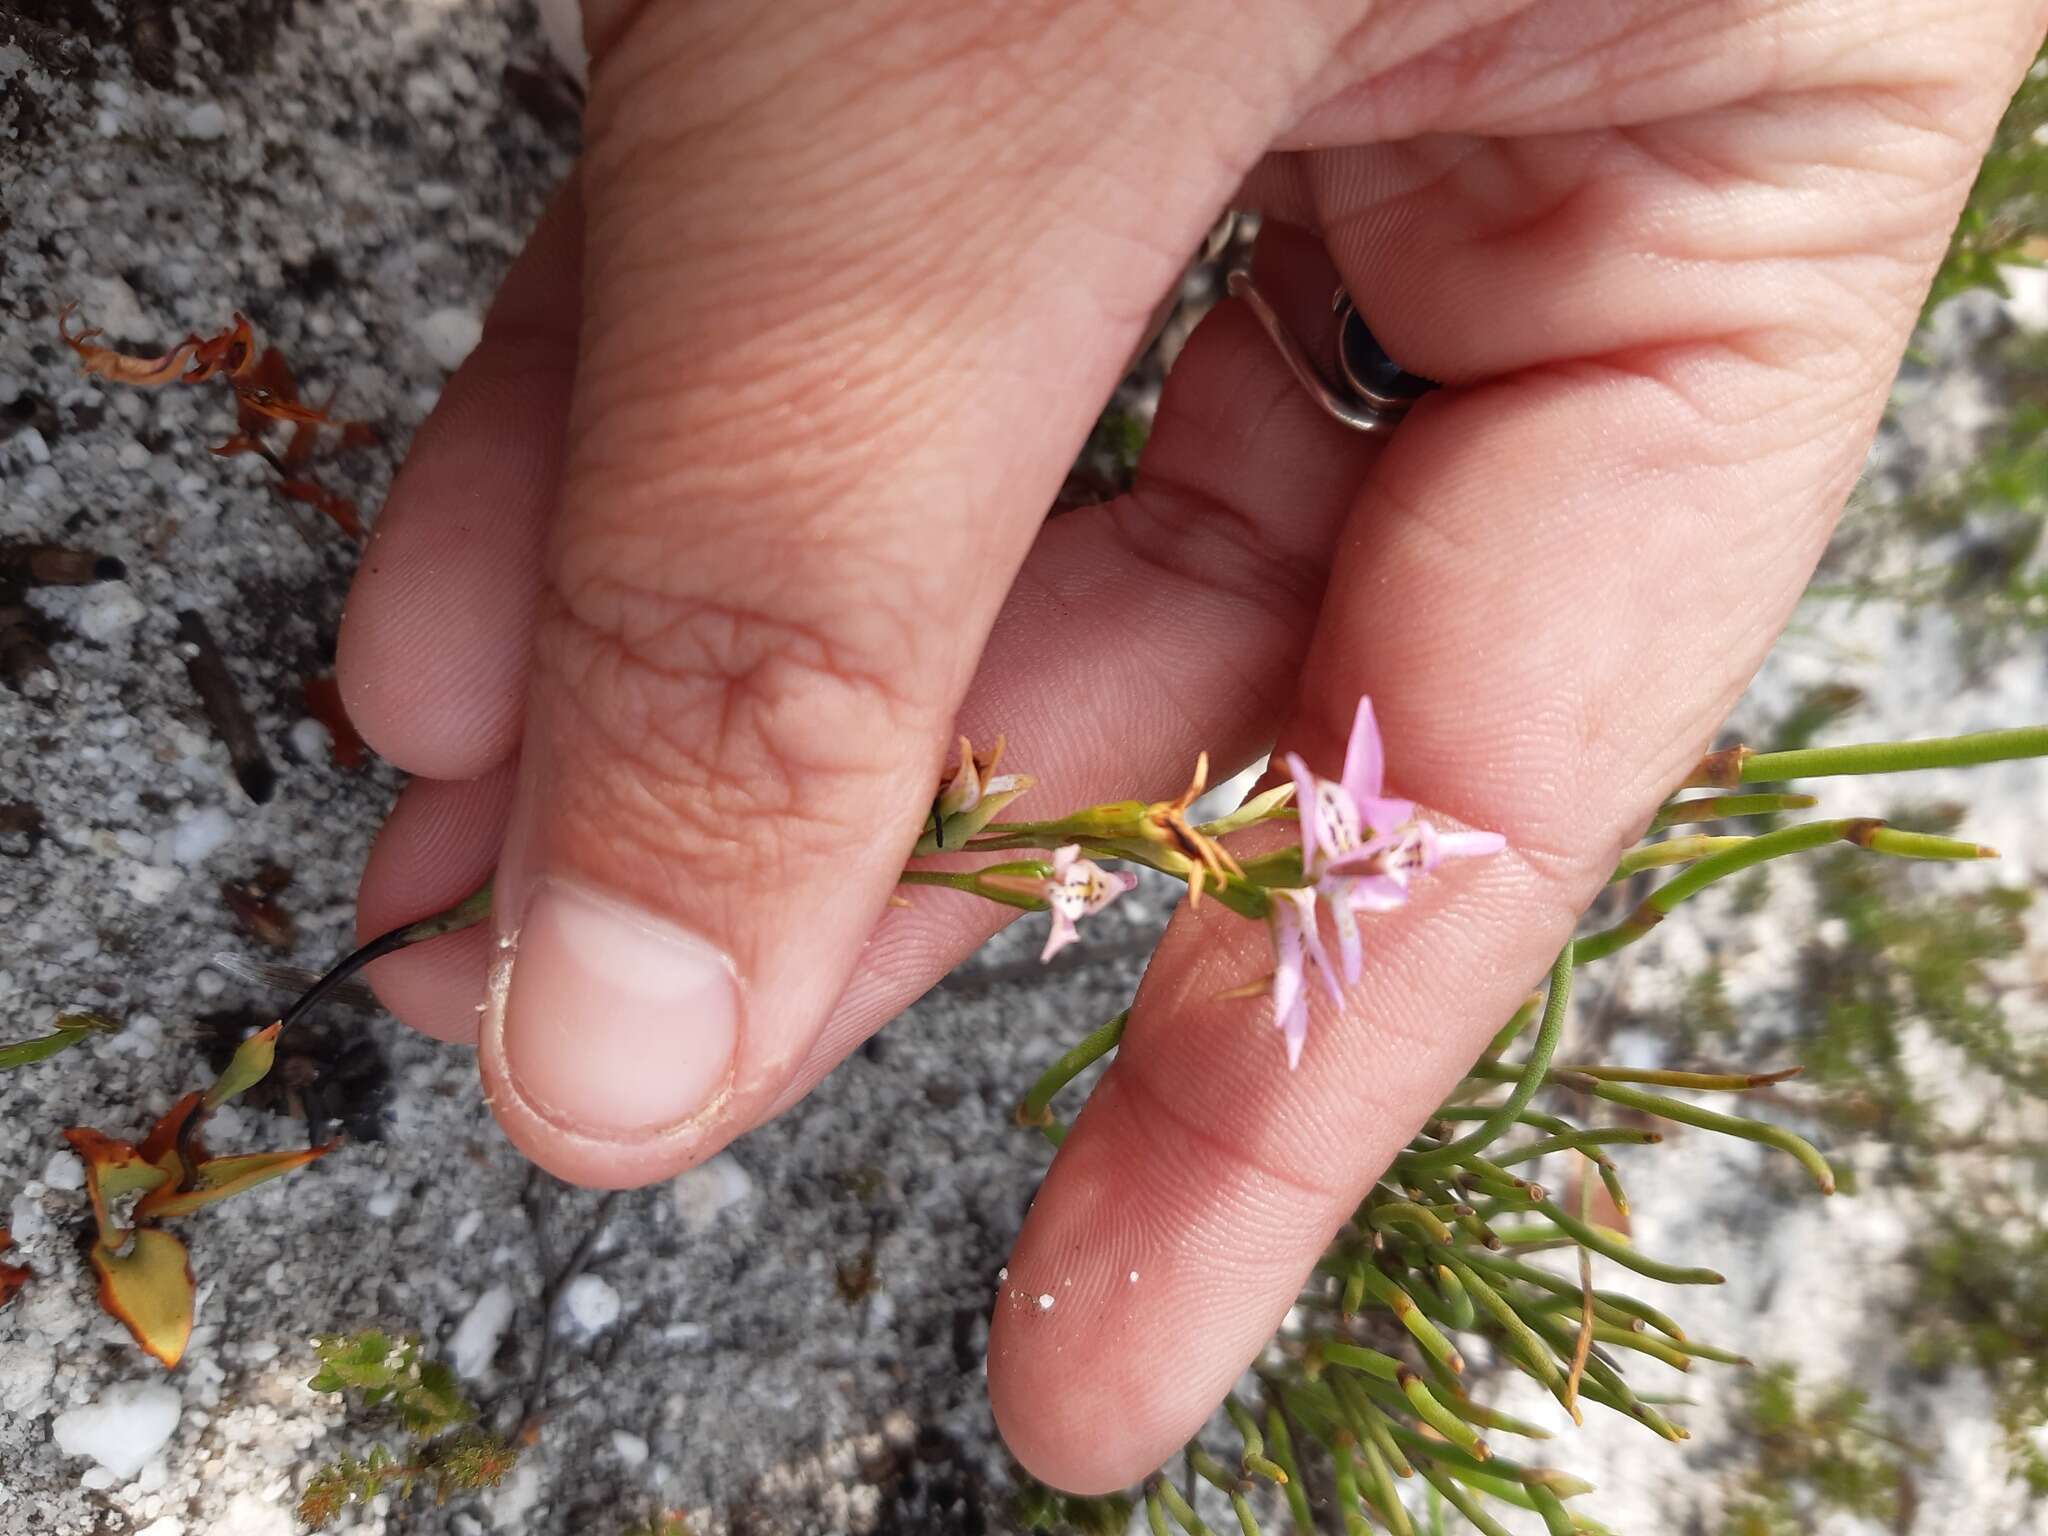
pixel 715 722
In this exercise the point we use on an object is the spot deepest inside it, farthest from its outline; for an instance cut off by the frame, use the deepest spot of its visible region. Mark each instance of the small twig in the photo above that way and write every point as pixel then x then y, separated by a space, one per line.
pixel 536 1387
pixel 225 711
pixel 51 565
pixel 1582 1347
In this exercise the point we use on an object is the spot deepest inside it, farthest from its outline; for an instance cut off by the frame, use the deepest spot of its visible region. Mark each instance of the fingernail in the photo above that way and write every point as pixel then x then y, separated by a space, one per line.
pixel 614 1024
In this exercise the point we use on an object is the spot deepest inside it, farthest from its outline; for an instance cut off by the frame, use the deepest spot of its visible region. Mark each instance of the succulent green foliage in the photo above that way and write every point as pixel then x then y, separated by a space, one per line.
pixel 2007 211
pixel 446 1458
pixel 380 1369
pixel 1039 1508
pixel 1816 1453
pixel 1371 1387
pixel 68 1031
pixel 1367 1387
pixel 1981 1299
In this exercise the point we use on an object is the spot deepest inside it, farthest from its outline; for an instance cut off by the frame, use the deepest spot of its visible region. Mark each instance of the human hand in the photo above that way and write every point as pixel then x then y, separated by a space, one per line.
pixel 736 514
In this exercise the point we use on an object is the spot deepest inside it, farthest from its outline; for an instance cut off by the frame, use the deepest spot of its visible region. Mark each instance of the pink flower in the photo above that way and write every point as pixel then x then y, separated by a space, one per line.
pixel 1298 949
pixel 1077 888
pixel 1360 849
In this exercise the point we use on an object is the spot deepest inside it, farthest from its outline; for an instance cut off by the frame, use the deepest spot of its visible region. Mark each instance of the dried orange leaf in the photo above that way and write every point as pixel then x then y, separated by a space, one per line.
pixel 247 1067
pixel 119 367
pixel 269 377
pixel 112 1169
pixel 231 351
pixel 161 1145
pixel 236 446
pixel 221 1177
pixel 12 1276
pixel 339 508
pixel 149 1290
pixel 164 1134
pixel 265 404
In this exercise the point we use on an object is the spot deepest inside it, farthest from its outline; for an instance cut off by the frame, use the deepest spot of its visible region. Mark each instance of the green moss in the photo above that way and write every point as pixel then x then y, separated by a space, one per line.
pixel 1981 1300
pixel 1910 958
pixel 446 1458
pixel 1815 1453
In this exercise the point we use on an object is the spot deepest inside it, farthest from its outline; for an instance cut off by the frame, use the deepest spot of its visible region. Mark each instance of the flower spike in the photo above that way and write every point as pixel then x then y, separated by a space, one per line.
pixel 1360 849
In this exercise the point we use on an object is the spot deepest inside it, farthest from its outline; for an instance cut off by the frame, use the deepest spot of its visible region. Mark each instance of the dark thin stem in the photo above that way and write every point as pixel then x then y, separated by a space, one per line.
pixel 466 913
pixel 536 1387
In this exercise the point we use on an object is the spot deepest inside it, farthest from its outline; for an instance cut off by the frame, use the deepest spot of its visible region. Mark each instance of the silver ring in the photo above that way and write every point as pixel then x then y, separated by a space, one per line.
pixel 1373 392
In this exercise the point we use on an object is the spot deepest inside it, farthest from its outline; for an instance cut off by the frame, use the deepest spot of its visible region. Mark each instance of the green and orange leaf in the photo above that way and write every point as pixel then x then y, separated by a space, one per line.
pixel 112 1169
pixel 218 1178
pixel 148 1290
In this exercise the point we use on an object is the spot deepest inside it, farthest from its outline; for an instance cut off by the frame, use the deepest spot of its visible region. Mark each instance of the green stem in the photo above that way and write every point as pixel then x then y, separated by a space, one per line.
pixel 1699 1082
pixel 1794 1146
pixel 1370 1362
pixel 1897 756
pixel 1183 1515
pixel 1580 1141
pixel 1557 1285
pixel 1463 1502
pixel 1536 1355
pixel 1458 1310
pixel 1723 807
pixel 1673 850
pixel 1091 1048
pixel 1255 1460
pixel 1548 1033
pixel 1386 1502
pixel 1395 1212
pixel 1597 1239
pixel 1863 831
pixel 1402 1305
pixel 971 883
pixel 1281 1439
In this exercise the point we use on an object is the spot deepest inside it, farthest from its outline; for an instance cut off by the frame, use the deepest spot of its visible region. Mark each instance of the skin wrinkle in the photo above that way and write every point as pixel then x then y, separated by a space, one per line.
pixel 742 771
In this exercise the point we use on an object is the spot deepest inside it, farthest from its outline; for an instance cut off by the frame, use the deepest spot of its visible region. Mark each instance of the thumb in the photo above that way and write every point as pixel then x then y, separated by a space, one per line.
pixel 794 498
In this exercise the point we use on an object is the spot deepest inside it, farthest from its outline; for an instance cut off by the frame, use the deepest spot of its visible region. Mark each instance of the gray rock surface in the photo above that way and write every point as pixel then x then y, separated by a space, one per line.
pixel 799 1329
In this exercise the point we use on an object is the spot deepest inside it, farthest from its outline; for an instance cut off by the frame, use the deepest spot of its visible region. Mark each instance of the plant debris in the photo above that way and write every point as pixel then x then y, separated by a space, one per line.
pixel 225 711
pixel 266 396
pixel 254 903
pixel 50 565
